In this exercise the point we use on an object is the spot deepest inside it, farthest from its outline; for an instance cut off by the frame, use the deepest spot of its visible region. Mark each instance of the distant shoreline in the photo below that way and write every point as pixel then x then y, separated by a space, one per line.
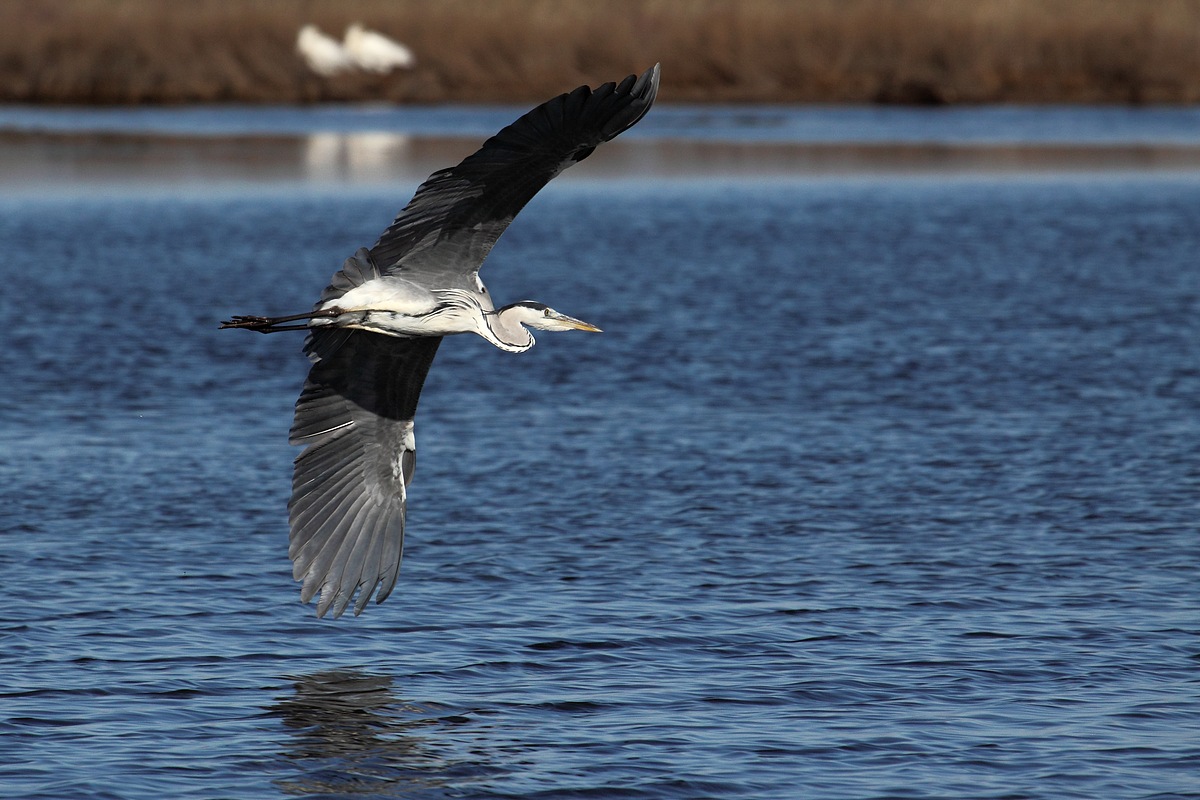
pixel 41 163
pixel 929 52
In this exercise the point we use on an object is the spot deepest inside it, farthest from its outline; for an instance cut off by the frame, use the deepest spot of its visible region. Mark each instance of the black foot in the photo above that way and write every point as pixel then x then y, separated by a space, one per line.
pixel 252 323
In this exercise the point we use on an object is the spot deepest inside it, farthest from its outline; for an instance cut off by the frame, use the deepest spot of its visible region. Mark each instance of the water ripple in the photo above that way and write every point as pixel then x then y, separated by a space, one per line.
pixel 874 489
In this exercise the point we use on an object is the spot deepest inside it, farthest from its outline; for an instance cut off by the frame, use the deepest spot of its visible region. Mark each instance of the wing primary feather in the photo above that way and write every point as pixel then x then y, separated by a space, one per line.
pixel 309 508
pixel 303 549
pixel 447 229
pixel 334 532
pixel 369 578
pixel 350 559
pixel 393 554
pixel 327 537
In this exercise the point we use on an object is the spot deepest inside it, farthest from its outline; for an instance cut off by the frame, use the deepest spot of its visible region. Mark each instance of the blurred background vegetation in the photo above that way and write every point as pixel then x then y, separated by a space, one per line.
pixel 827 51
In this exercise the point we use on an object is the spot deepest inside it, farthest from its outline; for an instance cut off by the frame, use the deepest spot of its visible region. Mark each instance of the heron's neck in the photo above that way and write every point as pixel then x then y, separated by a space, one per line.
pixel 503 329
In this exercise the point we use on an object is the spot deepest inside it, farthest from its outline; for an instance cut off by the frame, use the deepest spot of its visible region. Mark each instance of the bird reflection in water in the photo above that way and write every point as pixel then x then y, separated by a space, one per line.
pixel 353 737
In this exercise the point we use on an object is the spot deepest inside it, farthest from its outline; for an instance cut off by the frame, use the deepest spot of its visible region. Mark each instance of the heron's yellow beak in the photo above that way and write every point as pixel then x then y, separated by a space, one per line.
pixel 577 324
pixel 584 326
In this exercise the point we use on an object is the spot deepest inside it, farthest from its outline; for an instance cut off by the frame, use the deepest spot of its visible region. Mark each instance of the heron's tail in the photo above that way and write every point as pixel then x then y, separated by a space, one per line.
pixel 355 271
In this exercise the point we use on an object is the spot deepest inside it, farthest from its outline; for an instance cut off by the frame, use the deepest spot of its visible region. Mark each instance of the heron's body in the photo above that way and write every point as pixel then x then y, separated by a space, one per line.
pixel 376 328
pixel 388 293
pixel 395 306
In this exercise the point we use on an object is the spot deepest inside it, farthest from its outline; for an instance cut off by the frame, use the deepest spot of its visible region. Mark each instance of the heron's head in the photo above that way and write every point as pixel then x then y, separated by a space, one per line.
pixel 542 317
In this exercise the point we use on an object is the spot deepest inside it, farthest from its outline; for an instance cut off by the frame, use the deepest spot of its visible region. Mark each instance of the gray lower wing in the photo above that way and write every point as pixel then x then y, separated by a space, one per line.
pixel 450 225
pixel 355 420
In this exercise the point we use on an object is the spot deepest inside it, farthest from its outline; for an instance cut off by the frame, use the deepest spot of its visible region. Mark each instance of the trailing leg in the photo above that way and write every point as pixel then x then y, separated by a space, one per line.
pixel 275 324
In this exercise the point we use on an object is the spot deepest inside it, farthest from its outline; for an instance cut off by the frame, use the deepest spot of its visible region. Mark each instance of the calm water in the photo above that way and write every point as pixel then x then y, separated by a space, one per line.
pixel 874 487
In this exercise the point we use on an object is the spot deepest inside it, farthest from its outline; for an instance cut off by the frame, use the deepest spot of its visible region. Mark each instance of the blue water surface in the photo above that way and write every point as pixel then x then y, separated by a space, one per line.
pixel 872 488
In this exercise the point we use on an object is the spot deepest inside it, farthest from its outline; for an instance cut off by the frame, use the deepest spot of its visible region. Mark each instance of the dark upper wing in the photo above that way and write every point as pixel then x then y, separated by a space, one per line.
pixel 355 418
pixel 447 229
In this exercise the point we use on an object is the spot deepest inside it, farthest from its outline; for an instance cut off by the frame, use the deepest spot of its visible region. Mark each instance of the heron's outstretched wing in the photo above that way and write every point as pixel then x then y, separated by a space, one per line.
pixel 447 229
pixel 355 418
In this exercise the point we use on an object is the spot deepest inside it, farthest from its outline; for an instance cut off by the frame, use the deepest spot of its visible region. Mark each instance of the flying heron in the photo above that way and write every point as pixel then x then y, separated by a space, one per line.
pixel 374 331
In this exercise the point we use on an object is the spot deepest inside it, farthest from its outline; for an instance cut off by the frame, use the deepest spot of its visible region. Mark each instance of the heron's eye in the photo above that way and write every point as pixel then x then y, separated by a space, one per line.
pixel 546 313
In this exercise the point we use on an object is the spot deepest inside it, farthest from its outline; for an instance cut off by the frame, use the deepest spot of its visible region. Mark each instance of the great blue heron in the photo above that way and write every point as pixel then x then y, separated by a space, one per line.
pixel 377 326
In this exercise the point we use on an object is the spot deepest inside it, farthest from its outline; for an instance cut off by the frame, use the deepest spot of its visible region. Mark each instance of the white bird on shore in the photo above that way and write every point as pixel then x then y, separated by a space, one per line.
pixel 375 52
pixel 323 54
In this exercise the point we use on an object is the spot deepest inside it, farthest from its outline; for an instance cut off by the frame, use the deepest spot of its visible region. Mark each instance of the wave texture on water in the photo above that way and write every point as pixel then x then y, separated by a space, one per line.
pixel 871 489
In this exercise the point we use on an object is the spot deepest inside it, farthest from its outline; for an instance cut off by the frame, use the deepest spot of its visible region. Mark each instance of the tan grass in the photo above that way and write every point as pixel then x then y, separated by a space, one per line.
pixel 169 51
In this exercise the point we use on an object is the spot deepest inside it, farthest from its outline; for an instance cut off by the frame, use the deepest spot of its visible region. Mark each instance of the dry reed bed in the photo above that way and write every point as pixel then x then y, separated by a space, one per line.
pixel 916 51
